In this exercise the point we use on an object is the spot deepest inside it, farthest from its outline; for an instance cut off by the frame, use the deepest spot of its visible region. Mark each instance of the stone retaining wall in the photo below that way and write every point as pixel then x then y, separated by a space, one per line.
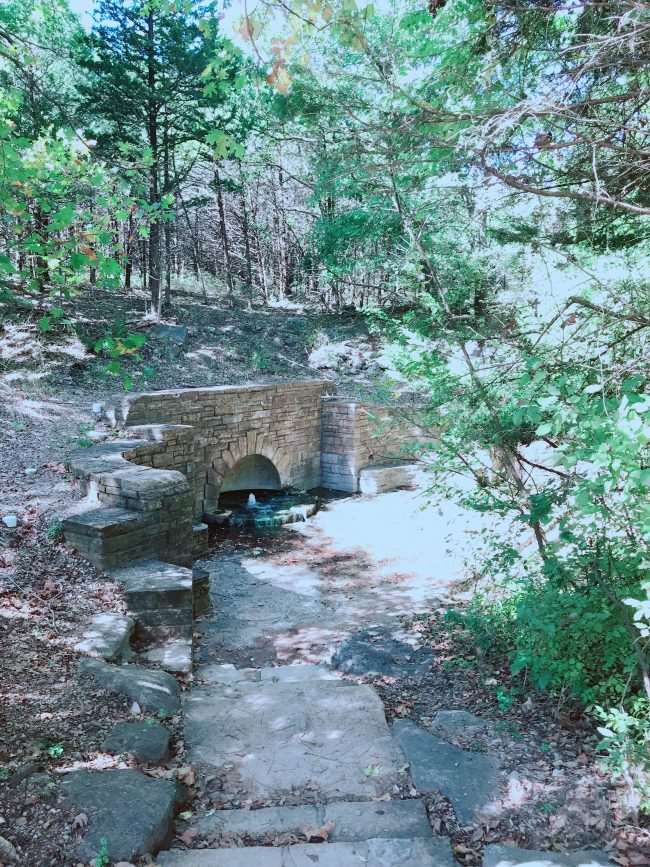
pixel 354 435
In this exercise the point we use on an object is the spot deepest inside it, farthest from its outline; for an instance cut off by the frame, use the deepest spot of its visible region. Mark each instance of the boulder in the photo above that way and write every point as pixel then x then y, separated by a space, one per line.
pixel 129 814
pixel 148 741
pixel 155 691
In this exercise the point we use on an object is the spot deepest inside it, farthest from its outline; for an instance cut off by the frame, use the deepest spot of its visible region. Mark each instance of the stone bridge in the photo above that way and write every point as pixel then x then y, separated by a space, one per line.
pixel 179 450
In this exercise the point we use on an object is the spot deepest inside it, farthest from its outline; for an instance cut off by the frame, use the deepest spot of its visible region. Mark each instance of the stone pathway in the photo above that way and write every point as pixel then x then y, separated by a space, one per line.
pixel 272 727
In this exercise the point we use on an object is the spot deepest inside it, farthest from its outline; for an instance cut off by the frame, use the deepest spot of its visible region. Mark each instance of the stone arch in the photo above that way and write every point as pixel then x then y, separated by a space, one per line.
pixel 249 445
pixel 252 473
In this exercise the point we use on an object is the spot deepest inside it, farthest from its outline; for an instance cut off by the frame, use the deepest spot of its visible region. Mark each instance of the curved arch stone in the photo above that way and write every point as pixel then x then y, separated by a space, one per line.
pixel 252 472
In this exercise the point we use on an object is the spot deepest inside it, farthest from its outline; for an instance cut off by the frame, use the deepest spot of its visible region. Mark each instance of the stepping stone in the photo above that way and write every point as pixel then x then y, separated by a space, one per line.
pixel 148 741
pixel 132 812
pixel 282 674
pixel 174 656
pixel 496 855
pixel 159 596
pixel 278 738
pixel 348 822
pixel 369 853
pixel 107 636
pixel 377 652
pixel 155 691
pixel 470 780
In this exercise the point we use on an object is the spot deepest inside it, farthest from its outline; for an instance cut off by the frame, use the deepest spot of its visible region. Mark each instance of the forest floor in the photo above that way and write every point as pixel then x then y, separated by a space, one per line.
pixel 48 383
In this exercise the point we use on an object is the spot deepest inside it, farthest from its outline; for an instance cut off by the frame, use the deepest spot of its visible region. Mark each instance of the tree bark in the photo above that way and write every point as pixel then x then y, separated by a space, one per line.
pixel 224 234
pixel 152 132
pixel 168 228
pixel 247 246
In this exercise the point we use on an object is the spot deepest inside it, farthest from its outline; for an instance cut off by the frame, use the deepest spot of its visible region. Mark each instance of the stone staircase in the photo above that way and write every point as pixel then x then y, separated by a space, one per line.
pixel 301 732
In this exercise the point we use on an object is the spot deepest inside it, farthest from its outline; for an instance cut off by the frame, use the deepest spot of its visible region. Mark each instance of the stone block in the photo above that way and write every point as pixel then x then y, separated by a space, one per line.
pixel 107 636
pixel 154 585
pixel 200 590
pixel 200 542
pixel 131 812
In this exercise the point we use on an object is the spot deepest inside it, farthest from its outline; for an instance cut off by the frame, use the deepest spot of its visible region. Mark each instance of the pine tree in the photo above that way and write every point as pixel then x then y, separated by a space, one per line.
pixel 146 93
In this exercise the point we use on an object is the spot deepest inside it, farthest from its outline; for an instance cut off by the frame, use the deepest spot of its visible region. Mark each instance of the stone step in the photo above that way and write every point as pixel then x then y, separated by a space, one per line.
pixel 322 736
pixel 107 536
pixel 107 636
pixel 228 674
pixel 174 655
pixel 368 853
pixel 342 822
pixel 159 596
pixel 498 855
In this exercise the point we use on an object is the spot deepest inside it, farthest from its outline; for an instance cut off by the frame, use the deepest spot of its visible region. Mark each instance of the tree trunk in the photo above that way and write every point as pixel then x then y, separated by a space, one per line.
pixel 168 228
pixel 247 245
pixel 128 253
pixel 42 272
pixel 152 131
pixel 224 234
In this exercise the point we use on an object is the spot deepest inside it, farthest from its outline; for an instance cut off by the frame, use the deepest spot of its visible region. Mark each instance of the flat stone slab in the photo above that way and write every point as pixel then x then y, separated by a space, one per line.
pixel 174 655
pixel 470 780
pixel 106 636
pixel 379 478
pixel 148 741
pixel 155 691
pixel 369 853
pixel 272 739
pixel 282 674
pixel 378 652
pixel 132 812
pixel 497 855
pixel 346 822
